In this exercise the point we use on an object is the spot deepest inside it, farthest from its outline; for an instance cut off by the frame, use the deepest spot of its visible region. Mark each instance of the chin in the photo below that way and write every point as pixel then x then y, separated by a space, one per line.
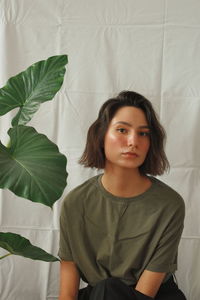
pixel 130 166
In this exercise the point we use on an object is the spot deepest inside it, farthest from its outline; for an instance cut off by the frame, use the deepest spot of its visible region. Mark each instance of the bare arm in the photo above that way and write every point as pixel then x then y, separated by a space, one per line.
pixel 149 283
pixel 69 281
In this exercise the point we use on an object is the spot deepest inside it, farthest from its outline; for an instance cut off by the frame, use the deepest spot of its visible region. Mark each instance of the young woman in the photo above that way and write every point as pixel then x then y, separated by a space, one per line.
pixel 119 231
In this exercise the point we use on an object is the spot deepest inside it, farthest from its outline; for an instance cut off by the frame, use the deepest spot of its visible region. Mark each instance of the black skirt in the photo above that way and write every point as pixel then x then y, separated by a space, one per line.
pixel 115 289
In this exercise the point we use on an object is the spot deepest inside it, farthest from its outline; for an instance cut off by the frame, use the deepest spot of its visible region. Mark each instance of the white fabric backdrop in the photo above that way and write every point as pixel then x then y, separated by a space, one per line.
pixel 149 46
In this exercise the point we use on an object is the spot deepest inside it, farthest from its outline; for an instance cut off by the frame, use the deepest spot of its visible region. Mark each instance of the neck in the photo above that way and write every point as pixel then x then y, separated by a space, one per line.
pixel 125 182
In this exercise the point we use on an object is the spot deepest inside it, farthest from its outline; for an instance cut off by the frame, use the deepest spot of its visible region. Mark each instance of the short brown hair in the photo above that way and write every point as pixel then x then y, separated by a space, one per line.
pixel 93 156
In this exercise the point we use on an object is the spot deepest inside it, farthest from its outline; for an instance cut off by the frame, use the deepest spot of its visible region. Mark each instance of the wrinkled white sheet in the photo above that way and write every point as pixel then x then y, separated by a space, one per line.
pixel 152 47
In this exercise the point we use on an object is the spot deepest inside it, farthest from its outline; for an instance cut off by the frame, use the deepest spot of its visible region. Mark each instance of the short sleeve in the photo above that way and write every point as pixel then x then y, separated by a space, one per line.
pixel 164 258
pixel 64 246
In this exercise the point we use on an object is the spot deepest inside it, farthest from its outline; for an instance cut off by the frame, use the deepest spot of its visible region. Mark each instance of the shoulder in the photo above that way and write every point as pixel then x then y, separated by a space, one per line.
pixel 167 195
pixel 76 196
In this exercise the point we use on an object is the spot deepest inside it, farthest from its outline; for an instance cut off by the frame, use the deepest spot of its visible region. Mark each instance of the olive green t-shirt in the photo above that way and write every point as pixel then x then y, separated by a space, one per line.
pixel 106 235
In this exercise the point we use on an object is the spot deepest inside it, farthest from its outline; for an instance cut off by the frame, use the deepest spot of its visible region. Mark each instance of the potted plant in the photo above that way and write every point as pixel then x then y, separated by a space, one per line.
pixel 31 165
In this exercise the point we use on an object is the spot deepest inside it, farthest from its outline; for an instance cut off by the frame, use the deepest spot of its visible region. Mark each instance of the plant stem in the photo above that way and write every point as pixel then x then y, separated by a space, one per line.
pixel 1 257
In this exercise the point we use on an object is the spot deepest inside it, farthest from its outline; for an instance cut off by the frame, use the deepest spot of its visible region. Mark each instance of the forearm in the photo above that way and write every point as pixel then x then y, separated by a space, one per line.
pixel 149 283
pixel 67 298
pixel 65 295
pixel 69 281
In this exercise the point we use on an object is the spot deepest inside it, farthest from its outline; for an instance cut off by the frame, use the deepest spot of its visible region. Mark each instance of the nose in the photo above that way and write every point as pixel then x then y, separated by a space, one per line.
pixel 133 140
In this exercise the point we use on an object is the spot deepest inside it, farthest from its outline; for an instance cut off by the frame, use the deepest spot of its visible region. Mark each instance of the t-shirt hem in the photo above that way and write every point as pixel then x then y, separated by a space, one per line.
pixel 163 269
pixel 64 257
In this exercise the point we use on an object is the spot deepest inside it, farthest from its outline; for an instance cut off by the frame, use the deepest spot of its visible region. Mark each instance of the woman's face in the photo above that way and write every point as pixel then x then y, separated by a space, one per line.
pixel 127 139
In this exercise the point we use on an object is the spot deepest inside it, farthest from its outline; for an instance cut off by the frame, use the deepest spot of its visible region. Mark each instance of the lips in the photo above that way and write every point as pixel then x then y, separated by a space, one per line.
pixel 131 154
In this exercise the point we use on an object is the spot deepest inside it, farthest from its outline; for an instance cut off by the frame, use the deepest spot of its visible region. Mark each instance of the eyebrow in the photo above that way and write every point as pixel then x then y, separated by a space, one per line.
pixel 128 124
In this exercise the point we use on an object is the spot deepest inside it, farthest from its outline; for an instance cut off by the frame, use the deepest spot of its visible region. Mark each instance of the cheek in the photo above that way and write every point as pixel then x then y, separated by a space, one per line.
pixel 112 140
pixel 112 144
pixel 146 146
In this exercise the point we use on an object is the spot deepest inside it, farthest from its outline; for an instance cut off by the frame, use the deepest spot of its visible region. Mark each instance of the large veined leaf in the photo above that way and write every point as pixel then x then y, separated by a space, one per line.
pixel 27 90
pixel 18 245
pixel 32 166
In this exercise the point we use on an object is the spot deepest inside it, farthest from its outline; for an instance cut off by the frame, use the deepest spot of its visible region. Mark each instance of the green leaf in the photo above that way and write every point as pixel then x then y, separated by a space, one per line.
pixel 27 90
pixel 32 166
pixel 18 245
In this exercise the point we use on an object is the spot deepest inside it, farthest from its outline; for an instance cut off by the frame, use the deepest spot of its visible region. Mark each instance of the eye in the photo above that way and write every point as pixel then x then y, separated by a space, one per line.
pixel 144 133
pixel 121 130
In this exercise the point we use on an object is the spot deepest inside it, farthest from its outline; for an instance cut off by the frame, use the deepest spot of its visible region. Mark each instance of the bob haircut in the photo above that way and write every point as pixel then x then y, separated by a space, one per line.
pixel 155 163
